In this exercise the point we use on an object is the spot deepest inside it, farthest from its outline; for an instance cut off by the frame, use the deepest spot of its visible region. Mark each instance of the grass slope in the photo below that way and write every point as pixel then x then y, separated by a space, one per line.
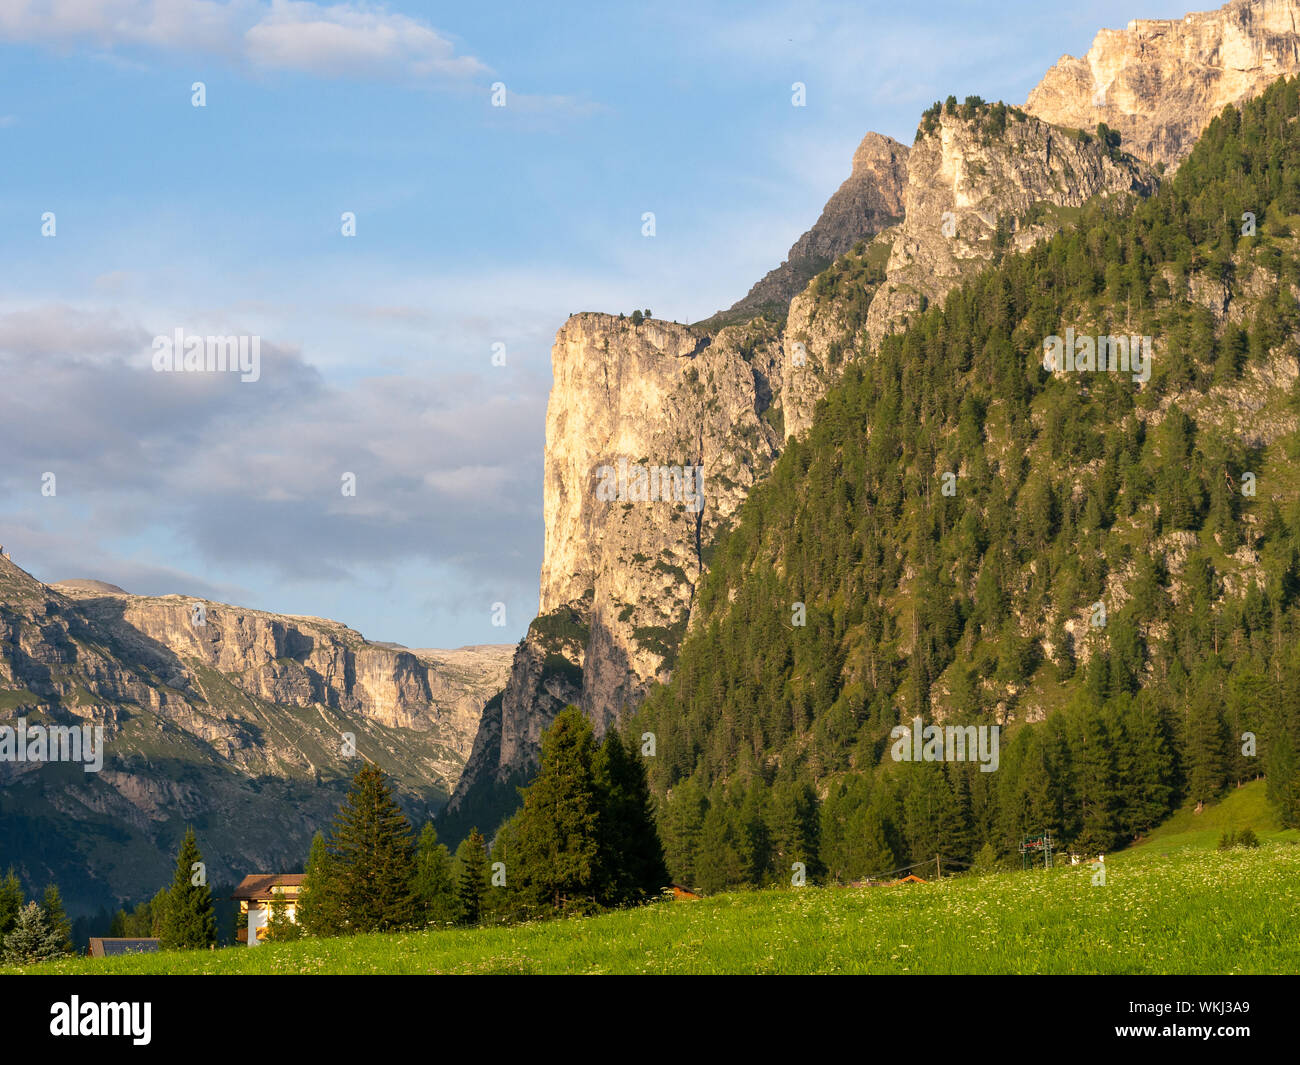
pixel 1197 911
pixel 1244 807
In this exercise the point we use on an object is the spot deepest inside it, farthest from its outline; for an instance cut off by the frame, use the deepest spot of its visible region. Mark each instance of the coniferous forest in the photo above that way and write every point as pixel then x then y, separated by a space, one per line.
pixel 855 593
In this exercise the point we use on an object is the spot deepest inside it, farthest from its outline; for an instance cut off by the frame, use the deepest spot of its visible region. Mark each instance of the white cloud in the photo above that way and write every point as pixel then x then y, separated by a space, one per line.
pixel 344 39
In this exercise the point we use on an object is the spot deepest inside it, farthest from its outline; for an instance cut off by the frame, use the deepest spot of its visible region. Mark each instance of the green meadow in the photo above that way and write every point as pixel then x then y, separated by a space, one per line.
pixel 1172 904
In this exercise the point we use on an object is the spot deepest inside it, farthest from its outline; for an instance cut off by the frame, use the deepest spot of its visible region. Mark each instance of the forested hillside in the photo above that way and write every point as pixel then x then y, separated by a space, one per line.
pixel 1111 575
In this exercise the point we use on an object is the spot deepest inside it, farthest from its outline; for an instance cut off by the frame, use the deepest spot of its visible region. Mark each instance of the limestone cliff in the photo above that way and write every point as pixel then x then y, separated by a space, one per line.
pixel 691 415
pixel 204 706
pixel 1160 81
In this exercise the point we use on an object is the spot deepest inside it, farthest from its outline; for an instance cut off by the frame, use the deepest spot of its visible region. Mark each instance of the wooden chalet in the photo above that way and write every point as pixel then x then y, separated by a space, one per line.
pixel 255 894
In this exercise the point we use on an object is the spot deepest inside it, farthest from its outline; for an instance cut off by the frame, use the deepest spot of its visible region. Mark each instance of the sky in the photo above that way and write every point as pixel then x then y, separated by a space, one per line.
pixel 414 352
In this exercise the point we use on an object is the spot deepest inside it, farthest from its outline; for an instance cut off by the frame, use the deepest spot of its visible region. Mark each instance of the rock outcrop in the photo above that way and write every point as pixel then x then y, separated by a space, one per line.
pixel 979 183
pixel 870 199
pixel 1159 82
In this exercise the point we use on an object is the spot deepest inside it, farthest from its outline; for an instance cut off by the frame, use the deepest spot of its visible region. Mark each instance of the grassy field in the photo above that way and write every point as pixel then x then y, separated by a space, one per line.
pixel 1193 911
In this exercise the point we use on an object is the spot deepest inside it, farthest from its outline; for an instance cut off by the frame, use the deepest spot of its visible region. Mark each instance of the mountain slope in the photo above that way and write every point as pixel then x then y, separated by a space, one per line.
pixel 966 537
pixel 619 577
pixel 235 725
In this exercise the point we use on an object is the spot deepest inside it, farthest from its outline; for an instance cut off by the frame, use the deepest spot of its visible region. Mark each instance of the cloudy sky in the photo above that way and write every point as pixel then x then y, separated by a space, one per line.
pixel 475 226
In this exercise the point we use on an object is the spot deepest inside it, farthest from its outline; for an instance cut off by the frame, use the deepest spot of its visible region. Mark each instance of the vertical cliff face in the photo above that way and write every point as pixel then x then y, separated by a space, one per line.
pixel 1160 81
pixel 655 435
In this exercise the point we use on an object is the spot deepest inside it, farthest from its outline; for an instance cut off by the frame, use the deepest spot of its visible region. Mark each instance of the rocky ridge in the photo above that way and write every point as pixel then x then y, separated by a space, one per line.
pixel 203 706
pixel 1160 81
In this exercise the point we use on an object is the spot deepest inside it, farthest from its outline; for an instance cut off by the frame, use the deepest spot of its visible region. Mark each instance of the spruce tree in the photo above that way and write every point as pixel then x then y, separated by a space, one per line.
pixel 558 847
pixel 681 825
pixel 371 846
pixel 11 902
pixel 33 938
pixel 57 916
pixel 318 899
pixel 471 877
pixel 189 922
pixel 631 856
pixel 435 887
pixel 1206 754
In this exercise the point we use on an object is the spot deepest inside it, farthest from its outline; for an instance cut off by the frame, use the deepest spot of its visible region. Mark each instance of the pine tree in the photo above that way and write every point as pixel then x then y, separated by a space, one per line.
pixel 57 917
pixel 472 877
pixel 1095 783
pixel 33 938
pixel 371 848
pixel 189 922
pixel 318 899
pixel 11 902
pixel 792 821
pixel 558 844
pixel 631 856
pixel 435 887
pixel 1206 754
pixel 680 826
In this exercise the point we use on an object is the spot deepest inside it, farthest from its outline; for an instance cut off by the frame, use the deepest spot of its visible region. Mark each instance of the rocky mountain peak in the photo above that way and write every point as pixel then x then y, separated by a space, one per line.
pixel 1159 82
pixel 870 199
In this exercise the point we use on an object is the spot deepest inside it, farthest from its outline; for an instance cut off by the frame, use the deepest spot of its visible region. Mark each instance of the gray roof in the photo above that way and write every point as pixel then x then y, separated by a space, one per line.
pixel 107 948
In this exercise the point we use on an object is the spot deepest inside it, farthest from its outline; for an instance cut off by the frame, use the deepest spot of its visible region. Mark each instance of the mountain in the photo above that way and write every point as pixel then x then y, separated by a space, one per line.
pixel 619 578
pixel 983 179
pixel 1101 563
pixel 870 199
pixel 618 573
pixel 234 725
pixel 1158 82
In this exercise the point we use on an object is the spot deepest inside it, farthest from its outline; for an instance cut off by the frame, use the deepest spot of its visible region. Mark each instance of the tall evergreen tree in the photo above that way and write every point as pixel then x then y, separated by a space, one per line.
pixel 435 887
pixel 189 922
pixel 472 877
pixel 318 909
pixel 631 856
pixel 11 902
pixel 373 858
pixel 1206 755
pixel 57 916
pixel 558 842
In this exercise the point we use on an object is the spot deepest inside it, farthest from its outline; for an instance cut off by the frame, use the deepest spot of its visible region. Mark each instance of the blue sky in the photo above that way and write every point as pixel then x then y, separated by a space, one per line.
pixel 475 225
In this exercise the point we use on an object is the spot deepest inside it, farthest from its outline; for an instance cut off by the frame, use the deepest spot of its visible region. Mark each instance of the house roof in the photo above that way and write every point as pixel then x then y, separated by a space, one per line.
pixel 108 948
pixel 259 885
